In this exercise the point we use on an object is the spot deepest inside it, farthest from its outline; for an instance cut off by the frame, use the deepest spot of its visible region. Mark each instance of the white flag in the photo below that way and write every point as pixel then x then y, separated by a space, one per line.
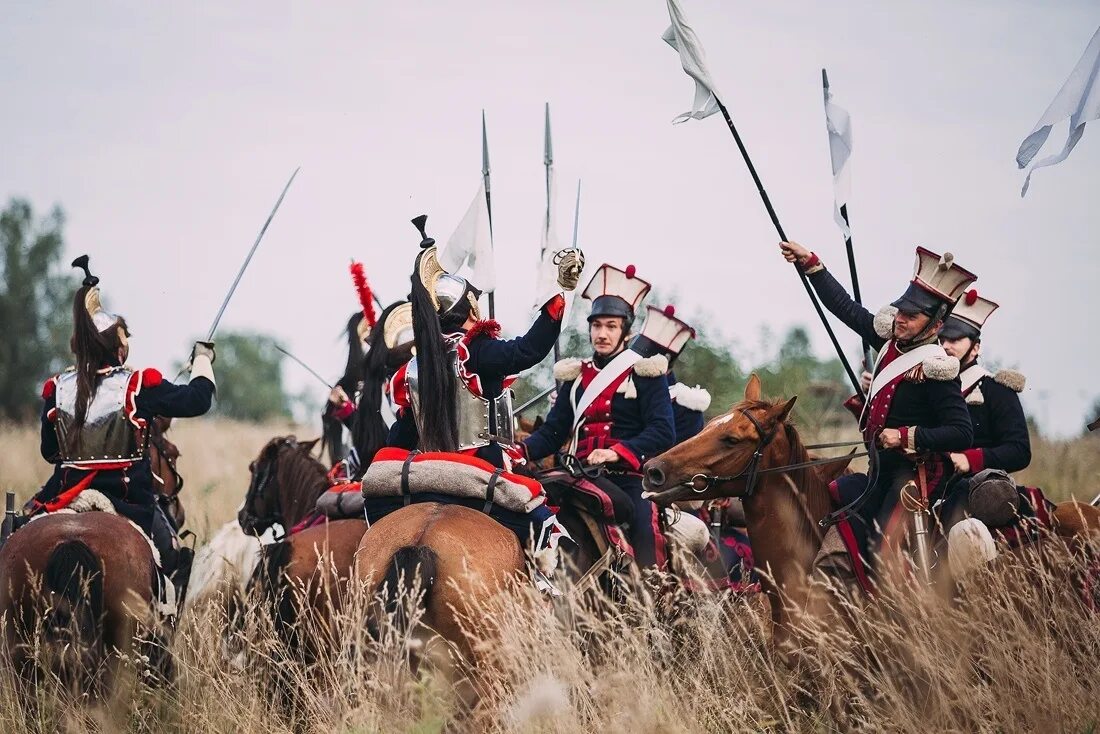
pixel 840 149
pixel 694 60
pixel 470 248
pixel 1078 99
pixel 546 279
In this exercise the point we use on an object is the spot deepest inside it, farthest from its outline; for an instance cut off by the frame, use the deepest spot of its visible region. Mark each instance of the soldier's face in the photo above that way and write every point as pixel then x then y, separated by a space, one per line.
pixel 958 348
pixel 606 334
pixel 907 325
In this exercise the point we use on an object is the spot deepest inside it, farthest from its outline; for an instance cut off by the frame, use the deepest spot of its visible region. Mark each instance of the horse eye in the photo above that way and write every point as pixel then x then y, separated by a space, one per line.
pixel 730 440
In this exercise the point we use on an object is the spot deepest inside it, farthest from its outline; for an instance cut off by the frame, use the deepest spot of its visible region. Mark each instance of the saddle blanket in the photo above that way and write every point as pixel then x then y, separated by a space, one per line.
pixel 397 472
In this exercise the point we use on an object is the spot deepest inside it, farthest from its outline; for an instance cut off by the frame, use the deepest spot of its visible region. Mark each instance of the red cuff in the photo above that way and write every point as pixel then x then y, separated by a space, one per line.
pixel 555 307
pixel 628 456
pixel 343 411
pixel 812 264
pixel 976 457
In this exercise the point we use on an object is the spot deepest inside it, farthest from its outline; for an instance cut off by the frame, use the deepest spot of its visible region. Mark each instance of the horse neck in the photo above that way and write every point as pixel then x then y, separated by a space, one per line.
pixel 782 517
pixel 301 481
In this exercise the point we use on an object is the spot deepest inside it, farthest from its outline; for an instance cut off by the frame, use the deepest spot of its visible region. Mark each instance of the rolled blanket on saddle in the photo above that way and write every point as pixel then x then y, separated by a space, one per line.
pixel 341 501
pixel 397 472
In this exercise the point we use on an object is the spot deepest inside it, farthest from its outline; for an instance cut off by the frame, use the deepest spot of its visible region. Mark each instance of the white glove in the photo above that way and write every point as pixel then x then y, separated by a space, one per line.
pixel 201 363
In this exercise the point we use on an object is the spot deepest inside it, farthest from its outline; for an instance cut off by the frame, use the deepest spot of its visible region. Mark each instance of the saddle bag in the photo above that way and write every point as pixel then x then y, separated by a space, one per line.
pixel 397 472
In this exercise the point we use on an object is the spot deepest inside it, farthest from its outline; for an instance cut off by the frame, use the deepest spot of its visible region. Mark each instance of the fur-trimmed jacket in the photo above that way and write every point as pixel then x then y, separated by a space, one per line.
pixel 632 417
pixel 926 405
pixel 1001 439
pixel 688 406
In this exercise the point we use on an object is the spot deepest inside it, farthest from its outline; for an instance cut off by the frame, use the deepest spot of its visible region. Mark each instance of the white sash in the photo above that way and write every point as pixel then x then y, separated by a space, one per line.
pixel 971 375
pixel 615 369
pixel 904 362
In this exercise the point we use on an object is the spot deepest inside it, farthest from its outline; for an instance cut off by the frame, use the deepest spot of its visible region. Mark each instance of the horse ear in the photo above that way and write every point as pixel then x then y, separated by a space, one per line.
pixel 785 410
pixel 307 446
pixel 752 388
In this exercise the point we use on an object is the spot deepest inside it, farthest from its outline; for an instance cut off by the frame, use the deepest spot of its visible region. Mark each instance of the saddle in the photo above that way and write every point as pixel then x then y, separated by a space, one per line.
pixel 604 501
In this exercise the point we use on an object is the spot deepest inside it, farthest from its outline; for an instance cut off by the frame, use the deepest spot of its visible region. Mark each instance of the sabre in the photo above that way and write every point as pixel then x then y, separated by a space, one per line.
pixel 534 401
pixel 488 200
pixel 247 260
pixel 308 369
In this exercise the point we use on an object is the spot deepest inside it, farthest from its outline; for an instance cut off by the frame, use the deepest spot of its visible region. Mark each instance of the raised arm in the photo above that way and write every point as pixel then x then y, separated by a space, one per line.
pixel 509 357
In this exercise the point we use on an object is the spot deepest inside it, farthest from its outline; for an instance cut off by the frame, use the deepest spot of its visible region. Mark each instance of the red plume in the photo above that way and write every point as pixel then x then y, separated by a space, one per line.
pixel 366 298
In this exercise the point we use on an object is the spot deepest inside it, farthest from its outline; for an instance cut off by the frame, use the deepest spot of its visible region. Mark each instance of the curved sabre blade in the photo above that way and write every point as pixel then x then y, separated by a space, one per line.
pixel 247 260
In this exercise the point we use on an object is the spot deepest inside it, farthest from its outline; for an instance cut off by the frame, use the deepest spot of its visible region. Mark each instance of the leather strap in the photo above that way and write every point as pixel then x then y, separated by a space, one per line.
pixel 490 491
pixel 406 493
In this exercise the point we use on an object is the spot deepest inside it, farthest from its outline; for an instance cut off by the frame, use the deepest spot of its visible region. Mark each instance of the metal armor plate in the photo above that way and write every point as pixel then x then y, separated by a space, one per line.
pixel 107 434
pixel 480 421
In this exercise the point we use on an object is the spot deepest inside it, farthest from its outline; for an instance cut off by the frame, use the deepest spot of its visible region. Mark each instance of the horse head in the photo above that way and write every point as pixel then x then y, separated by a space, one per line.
pixel 283 468
pixel 726 457
pixel 163 459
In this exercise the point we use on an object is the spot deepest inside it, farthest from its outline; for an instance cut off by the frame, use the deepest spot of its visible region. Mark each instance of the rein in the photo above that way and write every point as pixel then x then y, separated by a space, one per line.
pixel 700 483
pixel 268 472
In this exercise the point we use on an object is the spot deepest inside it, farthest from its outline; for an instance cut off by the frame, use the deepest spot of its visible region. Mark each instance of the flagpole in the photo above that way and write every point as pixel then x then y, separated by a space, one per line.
pixel 548 162
pixel 488 199
pixel 783 236
pixel 848 246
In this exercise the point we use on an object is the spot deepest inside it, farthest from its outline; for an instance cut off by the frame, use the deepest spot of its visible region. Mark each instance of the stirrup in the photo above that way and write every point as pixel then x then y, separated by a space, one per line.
pixel 545 585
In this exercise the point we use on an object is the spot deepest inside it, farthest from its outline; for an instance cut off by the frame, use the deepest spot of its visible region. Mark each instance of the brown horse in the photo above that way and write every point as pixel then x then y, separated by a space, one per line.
pixel 305 576
pixel 743 448
pixel 458 558
pixel 77 588
pixel 163 458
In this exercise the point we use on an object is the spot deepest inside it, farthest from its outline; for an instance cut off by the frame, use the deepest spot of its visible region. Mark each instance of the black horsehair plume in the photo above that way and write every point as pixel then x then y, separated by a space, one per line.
pixel 419 222
pixel 82 263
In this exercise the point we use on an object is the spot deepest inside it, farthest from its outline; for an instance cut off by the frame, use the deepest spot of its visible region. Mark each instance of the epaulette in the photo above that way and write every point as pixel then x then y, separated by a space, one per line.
pixel 49 387
pixel 151 377
pixel 654 366
pixel 884 321
pixel 486 327
pixel 567 369
pixel 1011 379
pixel 692 398
pixel 941 367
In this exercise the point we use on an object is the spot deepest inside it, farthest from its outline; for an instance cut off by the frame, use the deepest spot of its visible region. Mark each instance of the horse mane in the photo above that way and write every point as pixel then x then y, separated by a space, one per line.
pixel 301 474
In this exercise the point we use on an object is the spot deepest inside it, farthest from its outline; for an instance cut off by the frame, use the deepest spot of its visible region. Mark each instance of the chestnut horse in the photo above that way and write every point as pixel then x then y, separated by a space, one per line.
pixel 305 576
pixel 742 454
pixel 75 592
pixel 458 559
pixel 742 449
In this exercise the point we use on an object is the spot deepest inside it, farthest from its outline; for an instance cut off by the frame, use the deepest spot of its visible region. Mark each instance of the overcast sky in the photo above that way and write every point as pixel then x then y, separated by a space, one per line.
pixel 167 131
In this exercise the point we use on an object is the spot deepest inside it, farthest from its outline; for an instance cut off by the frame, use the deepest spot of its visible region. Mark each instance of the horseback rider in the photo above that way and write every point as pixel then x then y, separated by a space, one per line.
pixel 915 411
pixel 96 418
pixel 664 333
pixel 1001 439
pixel 454 394
pixel 614 408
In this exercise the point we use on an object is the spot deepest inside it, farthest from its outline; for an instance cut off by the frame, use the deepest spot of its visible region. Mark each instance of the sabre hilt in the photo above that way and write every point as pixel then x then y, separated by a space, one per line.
pixel 82 263
pixel 9 517
pixel 425 240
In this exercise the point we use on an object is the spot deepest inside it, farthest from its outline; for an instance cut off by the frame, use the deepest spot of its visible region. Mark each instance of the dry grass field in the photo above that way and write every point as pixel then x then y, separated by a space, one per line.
pixel 1017 650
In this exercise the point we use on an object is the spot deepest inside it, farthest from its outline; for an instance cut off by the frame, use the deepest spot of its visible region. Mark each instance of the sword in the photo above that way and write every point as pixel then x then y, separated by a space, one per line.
pixel 535 400
pixel 913 500
pixel 308 369
pixel 248 259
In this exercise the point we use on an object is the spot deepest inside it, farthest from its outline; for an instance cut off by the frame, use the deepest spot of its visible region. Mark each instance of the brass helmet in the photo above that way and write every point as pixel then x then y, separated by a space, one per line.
pixel 446 290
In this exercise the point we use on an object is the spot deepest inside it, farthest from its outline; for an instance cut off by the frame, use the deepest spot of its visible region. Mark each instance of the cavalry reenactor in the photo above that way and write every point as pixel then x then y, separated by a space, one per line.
pixel 614 408
pixel 457 385
pixel 915 412
pixel 96 418
pixel 1001 439
pixel 664 333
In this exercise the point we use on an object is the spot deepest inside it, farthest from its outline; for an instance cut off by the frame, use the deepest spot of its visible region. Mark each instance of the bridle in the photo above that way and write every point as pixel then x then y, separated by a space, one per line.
pixel 700 483
pixel 267 473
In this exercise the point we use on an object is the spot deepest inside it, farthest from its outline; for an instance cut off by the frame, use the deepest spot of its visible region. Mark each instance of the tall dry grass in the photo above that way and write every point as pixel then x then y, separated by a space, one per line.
pixel 1017 651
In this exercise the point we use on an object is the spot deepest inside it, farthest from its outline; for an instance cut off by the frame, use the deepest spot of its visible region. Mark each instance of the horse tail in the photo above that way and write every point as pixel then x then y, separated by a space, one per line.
pixel 75 574
pixel 412 569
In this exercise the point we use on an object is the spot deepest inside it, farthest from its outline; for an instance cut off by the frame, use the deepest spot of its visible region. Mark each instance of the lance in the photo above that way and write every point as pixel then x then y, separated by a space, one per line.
pixel 783 236
pixel 868 357
pixel 308 369
pixel 488 199
pixel 548 163
pixel 577 214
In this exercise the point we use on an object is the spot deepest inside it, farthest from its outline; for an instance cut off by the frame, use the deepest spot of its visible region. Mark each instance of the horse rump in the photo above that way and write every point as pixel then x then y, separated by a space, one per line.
pixel 413 569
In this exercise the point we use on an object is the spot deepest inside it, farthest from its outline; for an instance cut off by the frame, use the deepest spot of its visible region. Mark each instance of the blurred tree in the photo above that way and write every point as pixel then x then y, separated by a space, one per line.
pixel 35 306
pixel 250 378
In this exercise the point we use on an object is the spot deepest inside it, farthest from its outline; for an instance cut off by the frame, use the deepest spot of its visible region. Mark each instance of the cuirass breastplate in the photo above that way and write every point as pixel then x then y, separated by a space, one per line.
pixel 481 421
